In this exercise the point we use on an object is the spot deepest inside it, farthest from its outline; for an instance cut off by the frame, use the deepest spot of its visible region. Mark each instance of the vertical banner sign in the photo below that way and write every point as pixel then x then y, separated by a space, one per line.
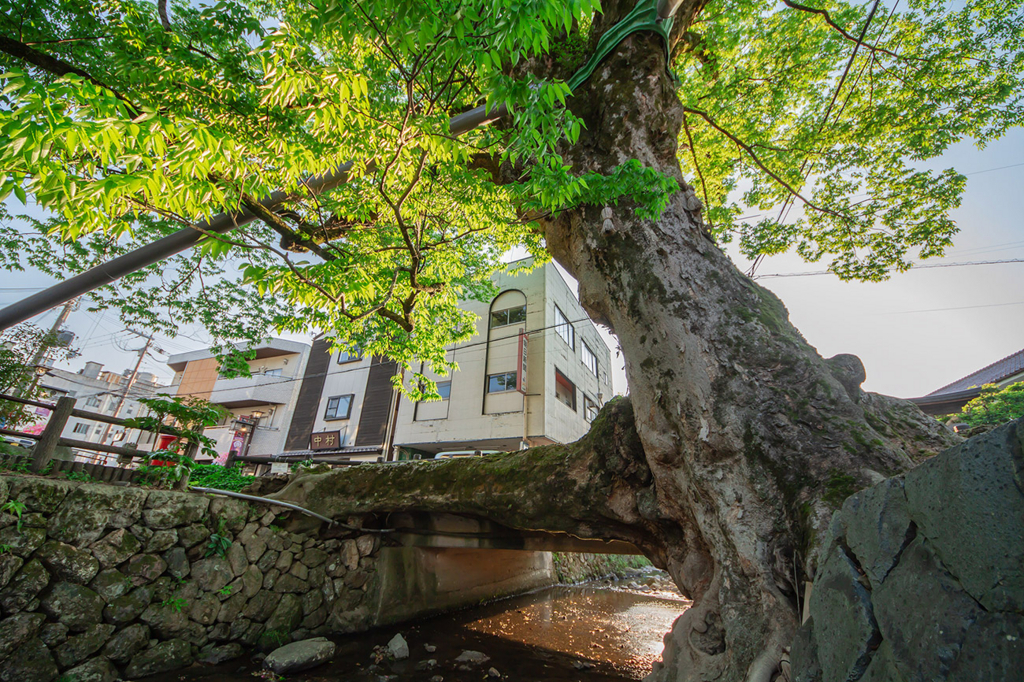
pixel 521 374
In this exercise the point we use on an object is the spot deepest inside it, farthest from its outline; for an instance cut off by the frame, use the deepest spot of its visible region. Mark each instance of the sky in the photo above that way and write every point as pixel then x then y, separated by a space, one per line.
pixel 916 332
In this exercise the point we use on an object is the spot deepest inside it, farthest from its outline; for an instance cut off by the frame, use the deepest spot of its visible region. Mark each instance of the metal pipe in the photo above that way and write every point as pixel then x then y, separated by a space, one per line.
pixel 185 239
pixel 181 240
pixel 256 498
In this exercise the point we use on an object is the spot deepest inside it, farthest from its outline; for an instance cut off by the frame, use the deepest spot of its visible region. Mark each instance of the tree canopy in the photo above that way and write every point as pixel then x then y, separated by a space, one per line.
pixel 993 406
pixel 128 120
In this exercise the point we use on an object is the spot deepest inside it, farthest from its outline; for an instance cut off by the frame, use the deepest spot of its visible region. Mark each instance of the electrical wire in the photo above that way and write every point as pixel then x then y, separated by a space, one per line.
pixel 963 307
pixel 815 273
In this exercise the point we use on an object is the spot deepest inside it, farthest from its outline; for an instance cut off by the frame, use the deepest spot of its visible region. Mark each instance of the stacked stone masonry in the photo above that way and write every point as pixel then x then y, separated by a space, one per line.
pixel 923 576
pixel 101 582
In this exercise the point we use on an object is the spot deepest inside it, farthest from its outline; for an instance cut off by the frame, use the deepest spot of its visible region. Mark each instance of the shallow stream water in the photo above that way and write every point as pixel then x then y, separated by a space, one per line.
pixel 596 632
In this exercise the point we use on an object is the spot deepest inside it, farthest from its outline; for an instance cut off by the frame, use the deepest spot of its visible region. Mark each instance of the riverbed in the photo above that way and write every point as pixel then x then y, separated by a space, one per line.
pixel 595 632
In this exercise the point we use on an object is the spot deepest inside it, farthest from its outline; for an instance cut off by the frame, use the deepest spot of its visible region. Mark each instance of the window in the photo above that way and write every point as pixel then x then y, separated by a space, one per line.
pixel 444 389
pixel 589 408
pixel 272 372
pixel 82 428
pixel 500 318
pixel 339 407
pixel 500 383
pixel 99 430
pixel 564 329
pixel 565 390
pixel 353 355
pixel 589 359
pixel 93 401
pixel 131 409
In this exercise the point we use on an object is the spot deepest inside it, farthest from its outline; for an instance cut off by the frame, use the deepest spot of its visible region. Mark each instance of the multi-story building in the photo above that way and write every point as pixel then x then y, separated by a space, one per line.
pixel 536 373
pixel 260 406
pixel 96 390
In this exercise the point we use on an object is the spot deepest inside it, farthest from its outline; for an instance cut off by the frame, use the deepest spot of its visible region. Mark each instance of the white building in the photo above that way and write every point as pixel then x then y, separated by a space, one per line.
pixel 536 373
pixel 267 398
pixel 100 391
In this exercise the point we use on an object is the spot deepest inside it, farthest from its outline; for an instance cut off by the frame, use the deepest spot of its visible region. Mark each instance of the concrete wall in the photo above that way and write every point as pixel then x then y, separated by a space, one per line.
pixel 416 581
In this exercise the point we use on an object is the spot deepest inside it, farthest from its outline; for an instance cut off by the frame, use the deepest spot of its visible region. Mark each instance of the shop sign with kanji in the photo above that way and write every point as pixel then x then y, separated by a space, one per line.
pixel 325 440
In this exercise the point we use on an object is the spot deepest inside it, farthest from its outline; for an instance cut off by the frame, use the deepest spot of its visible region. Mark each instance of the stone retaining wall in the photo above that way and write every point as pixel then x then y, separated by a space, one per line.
pixel 923 579
pixel 100 581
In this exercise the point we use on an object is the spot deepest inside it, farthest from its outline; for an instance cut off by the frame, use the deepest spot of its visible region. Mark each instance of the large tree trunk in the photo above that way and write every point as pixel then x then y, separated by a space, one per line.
pixel 751 437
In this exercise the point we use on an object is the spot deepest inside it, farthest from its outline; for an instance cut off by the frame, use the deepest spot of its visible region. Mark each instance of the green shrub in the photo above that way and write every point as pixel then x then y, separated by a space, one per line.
pixel 994 405
pixel 219 477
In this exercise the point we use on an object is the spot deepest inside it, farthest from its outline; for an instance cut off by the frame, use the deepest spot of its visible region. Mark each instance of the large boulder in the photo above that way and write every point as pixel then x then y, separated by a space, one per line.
pixel 22 541
pixel 116 547
pixel 67 562
pixel 215 655
pixel 39 494
pixel 111 584
pixel 89 510
pixel 167 509
pixel 31 662
pixel 298 656
pixel 282 622
pixel 923 575
pixel 145 568
pixel 168 619
pixel 17 630
pixel 164 657
pixel 94 670
pixel 123 646
pixel 76 649
pixel 24 587
pixel 968 503
pixel 74 605
pixel 212 574
pixel 9 565
pixel 127 608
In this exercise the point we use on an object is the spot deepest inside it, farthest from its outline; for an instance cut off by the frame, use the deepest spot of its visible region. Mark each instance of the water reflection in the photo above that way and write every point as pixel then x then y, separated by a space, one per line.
pixel 610 632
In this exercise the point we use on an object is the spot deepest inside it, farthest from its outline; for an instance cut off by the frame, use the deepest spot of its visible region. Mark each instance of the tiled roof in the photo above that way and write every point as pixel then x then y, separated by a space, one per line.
pixel 993 374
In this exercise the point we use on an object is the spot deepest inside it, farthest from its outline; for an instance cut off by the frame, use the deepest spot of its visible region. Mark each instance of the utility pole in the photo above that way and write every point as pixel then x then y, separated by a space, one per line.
pixel 43 351
pixel 131 381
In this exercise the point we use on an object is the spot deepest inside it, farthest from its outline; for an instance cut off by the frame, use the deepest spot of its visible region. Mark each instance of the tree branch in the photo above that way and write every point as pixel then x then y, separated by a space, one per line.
pixel 696 165
pixel 760 164
pixel 161 8
pixel 277 223
pixel 843 32
pixel 57 67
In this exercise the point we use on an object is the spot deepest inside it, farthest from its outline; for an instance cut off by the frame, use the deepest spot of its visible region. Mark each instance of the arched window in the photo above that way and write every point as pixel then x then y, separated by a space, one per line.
pixel 509 307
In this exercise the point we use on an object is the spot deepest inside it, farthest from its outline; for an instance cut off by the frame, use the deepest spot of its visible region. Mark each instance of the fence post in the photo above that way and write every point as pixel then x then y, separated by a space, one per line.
pixel 50 437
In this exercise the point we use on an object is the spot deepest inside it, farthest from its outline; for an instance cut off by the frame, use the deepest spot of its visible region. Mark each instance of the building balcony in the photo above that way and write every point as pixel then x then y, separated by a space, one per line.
pixel 253 391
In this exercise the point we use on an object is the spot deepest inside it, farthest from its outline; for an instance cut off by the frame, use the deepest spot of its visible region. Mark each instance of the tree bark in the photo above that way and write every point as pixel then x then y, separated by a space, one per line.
pixel 751 437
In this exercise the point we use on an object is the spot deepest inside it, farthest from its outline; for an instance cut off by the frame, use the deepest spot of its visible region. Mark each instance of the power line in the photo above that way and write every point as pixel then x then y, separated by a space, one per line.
pixel 963 307
pixel 915 267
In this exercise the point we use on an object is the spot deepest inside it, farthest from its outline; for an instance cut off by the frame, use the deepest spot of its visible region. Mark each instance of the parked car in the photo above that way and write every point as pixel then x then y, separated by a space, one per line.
pixel 19 440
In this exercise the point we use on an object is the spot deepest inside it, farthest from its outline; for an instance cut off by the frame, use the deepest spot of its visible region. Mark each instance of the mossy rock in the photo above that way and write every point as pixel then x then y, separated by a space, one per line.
pixel 169 509
pixel 38 494
pixel 89 510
